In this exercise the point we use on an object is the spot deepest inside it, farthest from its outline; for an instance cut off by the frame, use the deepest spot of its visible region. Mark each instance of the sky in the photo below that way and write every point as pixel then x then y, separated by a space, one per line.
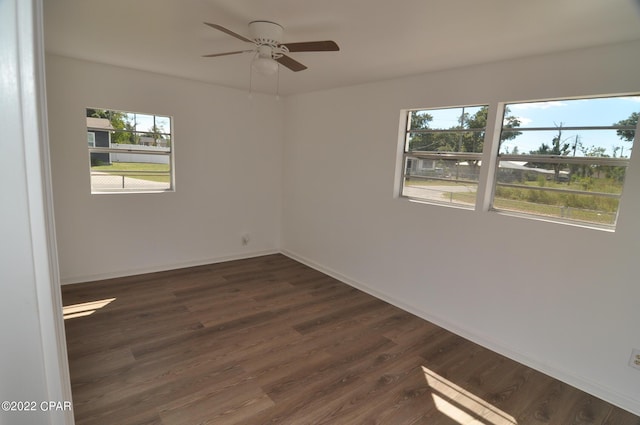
pixel 573 113
pixel 144 122
pixel 568 113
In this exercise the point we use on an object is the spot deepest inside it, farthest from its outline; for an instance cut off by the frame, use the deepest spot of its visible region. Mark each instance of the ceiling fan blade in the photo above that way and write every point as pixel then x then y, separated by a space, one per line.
pixel 213 55
pixel 292 64
pixel 227 31
pixel 313 46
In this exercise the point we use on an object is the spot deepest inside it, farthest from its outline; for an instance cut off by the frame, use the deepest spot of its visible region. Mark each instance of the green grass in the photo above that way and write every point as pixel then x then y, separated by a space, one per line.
pixel 599 217
pixel 585 201
pixel 592 184
pixel 129 169
pixel 587 208
pixel 463 197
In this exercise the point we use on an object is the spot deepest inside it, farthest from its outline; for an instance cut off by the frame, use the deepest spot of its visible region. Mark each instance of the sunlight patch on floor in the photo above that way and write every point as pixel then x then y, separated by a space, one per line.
pixel 461 405
pixel 84 309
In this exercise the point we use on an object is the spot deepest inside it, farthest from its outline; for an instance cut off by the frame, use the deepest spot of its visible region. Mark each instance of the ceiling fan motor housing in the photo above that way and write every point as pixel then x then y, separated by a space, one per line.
pixel 266 33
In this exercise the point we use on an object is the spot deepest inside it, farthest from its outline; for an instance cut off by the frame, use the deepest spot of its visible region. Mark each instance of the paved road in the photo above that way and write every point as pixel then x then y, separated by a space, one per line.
pixel 108 182
pixel 436 193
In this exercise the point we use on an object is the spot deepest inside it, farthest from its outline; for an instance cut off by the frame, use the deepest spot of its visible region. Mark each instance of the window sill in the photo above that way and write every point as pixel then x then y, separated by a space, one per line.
pixel 566 222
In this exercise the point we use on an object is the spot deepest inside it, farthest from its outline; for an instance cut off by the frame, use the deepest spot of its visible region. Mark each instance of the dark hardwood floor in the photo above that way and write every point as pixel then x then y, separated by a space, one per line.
pixel 270 341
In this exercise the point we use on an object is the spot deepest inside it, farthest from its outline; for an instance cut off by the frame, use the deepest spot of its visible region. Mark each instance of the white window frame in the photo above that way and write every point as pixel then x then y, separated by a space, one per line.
pixel 491 159
pixel 565 215
pixel 435 156
pixel 123 176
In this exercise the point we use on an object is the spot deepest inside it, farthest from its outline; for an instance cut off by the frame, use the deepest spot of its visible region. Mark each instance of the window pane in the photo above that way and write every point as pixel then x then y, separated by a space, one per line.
pixel 448 118
pixel 131 151
pixel 575 112
pixel 475 116
pixel 448 181
pixel 449 171
pixel 419 120
pixel 583 192
pixel 453 141
pixel 606 179
pixel 582 142
pixel 144 123
pixel 131 120
pixel 588 187
pixel 131 171
pixel 124 138
pixel 586 207
pixel 163 124
pixel 444 119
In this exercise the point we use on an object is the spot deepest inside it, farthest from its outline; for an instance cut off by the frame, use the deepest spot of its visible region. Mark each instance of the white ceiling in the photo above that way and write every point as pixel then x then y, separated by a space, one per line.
pixel 378 39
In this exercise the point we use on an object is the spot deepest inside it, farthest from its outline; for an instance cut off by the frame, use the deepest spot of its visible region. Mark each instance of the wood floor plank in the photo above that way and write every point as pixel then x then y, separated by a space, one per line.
pixel 267 340
pixel 373 395
pixel 229 401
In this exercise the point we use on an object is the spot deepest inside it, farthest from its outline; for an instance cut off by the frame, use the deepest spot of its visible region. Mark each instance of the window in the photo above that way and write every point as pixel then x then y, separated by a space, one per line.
pixel 561 160
pixel 567 160
pixel 129 152
pixel 442 153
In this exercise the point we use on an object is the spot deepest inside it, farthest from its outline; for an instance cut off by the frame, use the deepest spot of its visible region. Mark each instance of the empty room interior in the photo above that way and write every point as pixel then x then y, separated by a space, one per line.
pixel 300 242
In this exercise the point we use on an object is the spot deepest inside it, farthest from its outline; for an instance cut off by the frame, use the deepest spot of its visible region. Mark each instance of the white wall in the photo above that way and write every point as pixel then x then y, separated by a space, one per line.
pixel 228 156
pixel 562 299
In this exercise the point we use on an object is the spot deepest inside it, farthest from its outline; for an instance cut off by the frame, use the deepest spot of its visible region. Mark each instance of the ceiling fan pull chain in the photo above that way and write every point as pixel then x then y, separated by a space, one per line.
pixel 278 84
pixel 251 79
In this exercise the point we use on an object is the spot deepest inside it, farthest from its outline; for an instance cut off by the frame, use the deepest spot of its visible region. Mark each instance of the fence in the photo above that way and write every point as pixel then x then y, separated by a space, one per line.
pixel 140 157
pixel 132 180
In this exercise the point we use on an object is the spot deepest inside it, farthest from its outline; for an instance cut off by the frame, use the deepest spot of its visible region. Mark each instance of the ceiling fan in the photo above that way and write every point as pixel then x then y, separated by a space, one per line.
pixel 270 50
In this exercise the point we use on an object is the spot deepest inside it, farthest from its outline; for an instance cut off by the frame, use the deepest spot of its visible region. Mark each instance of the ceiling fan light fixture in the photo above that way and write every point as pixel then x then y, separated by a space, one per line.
pixel 265 65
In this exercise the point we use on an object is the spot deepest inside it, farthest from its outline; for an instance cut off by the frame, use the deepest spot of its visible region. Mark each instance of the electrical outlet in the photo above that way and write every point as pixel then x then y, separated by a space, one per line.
pixel 634 361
